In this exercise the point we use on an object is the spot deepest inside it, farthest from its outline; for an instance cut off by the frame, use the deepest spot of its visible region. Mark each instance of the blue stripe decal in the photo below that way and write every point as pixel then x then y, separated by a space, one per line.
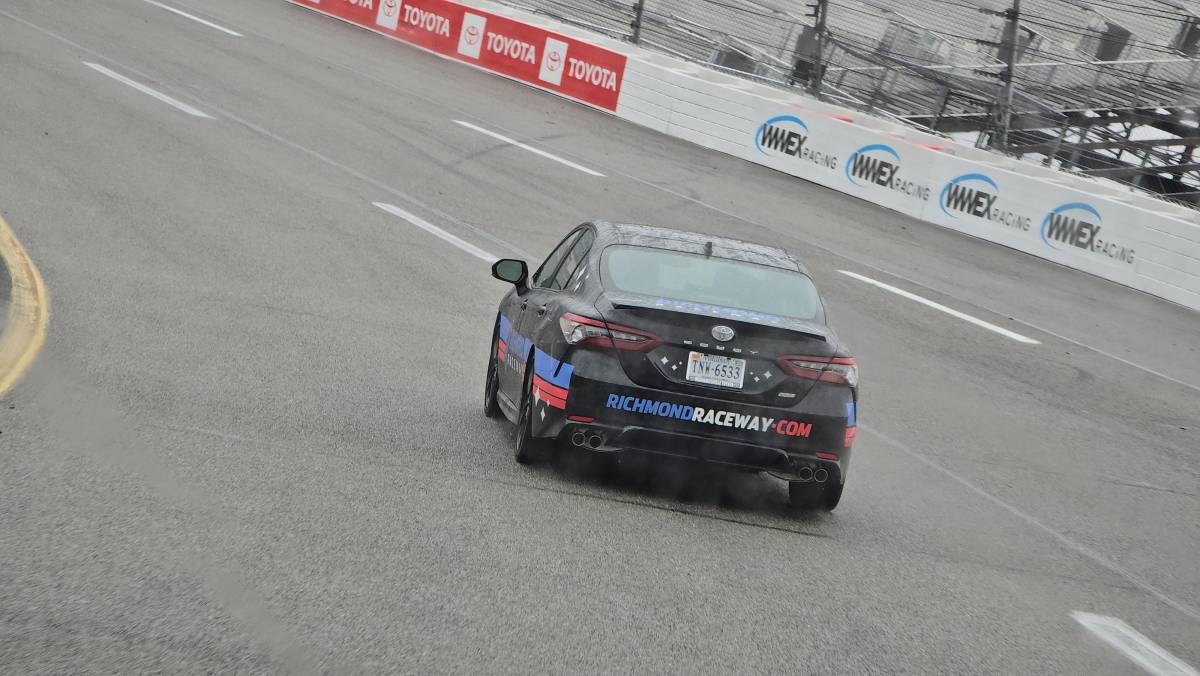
pixel 546 367
pixel 851 414
pixel 551 370
pixel 518 346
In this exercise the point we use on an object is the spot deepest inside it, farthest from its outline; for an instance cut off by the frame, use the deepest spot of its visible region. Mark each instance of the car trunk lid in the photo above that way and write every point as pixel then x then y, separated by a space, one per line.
pixel 686 328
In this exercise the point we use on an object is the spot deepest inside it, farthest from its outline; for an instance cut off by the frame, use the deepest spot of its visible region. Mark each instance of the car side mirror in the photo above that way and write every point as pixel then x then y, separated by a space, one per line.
pixel 513 271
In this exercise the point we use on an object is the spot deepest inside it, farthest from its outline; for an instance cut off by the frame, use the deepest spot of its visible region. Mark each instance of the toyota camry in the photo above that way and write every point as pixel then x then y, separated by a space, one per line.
pixel 636 339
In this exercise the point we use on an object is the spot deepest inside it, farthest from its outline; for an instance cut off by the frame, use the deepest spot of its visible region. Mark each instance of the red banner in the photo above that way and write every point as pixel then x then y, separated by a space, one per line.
pixel 497 43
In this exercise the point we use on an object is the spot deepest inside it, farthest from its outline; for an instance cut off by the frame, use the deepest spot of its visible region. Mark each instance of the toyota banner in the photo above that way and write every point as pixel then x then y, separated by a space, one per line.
pixel 496 43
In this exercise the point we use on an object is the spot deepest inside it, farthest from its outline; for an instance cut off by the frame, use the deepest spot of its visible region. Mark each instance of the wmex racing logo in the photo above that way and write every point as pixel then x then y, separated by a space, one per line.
pixel 1078 225
pixel 975 195
pixel 879 164
pixel 788 135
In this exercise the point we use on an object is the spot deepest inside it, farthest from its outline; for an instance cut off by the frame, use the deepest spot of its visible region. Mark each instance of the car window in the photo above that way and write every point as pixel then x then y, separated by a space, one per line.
pixel 573 260
pixel 575 283
pixel 719 282
pixel 545 274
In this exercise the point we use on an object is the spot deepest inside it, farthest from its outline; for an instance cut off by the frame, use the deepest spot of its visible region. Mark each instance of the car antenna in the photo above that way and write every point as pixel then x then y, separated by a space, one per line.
pixel 708 249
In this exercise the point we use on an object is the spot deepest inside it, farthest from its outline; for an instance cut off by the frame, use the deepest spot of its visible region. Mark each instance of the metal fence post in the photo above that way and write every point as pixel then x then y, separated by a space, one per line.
pixel 1142 84
pixel 1058 141
pixel 636 24
pixel 820 12
pixel 942 108
pixel 1011 34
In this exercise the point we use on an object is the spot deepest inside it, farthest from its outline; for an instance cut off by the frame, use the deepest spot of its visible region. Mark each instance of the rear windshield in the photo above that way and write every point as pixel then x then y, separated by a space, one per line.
pixel 712 281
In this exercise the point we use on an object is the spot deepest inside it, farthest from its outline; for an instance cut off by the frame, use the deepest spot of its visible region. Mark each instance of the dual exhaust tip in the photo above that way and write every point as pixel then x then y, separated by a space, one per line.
pixel 596 440
pixel 592 440
pixel 820 474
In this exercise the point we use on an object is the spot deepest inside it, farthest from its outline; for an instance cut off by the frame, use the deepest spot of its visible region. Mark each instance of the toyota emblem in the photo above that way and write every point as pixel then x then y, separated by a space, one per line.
pixel 722 333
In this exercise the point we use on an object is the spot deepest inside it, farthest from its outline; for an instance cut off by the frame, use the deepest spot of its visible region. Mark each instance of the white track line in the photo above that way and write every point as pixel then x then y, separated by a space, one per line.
pixel 179 105
pixel 1103 353
pixel 1140 650
pixel 942 308
pixel 195 18
pixel 1082 549
pixel 531 149
pixel 433 229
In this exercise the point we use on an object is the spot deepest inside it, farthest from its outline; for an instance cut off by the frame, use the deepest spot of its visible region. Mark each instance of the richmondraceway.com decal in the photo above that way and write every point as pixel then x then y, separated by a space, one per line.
pixel 708 416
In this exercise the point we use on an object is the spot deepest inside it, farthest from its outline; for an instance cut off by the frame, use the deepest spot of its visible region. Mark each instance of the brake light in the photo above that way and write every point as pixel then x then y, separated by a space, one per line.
pixel 579 330
pixel 840 370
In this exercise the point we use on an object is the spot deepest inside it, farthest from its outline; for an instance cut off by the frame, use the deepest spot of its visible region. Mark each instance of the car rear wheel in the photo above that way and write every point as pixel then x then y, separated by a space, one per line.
pixel 810 496
pixel 529 449
pixel 833 495
pixel 491 407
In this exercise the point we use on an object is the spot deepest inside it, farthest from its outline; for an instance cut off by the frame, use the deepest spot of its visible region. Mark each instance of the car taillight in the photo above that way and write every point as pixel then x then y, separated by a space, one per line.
pixel 841 370
pixel 579 330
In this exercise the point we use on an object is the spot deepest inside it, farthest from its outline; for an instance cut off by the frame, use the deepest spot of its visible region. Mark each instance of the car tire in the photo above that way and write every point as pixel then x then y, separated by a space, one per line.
pixel 807 496
pixel 528 448
pixel 491 385
pixel 833 495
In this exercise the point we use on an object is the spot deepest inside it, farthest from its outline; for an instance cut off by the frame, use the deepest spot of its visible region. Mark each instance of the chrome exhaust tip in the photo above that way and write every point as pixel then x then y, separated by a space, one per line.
pixel 578 439
pixel 804 474
pixel 821 475
pixel 595 441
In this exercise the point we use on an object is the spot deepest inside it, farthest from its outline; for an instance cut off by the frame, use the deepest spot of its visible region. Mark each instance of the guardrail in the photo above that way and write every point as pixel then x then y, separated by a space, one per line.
pixel 1094 226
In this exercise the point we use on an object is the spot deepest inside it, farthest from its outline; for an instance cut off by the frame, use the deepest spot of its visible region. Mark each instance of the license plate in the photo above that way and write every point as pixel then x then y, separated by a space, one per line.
pixel 714 369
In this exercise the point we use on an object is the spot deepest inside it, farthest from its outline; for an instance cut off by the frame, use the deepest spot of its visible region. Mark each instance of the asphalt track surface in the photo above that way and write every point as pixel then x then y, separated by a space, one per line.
pixel 253 440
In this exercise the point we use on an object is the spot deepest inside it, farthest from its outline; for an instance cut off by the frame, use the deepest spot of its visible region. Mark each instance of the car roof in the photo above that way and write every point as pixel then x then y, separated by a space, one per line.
pixel 632 234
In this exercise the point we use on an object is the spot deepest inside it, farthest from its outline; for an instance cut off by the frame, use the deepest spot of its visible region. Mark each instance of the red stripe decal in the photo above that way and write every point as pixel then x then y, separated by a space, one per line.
pixel 552 401
pixel 547 396
pixel 553 390
pixel 556 402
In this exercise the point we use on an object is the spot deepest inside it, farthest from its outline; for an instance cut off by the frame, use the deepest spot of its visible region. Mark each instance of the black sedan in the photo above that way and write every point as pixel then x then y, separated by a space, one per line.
pixel 636 339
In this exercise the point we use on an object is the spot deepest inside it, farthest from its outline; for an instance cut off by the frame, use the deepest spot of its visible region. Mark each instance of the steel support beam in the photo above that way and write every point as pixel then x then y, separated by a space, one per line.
pixel 1114 143
pixel 1116 172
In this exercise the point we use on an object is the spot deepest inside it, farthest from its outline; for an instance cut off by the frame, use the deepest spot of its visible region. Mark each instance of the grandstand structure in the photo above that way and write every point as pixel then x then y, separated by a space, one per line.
pixel 1107 88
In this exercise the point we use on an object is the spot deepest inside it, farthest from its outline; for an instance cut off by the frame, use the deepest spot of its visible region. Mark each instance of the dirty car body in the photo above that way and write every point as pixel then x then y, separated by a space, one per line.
pixel 636 339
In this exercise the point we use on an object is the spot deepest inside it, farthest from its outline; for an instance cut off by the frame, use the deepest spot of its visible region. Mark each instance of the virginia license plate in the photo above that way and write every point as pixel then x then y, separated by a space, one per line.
pixel 714 369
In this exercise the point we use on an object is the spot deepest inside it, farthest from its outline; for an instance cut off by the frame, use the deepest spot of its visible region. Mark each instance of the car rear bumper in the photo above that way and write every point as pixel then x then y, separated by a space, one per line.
pixel 733 455
pixel 789 441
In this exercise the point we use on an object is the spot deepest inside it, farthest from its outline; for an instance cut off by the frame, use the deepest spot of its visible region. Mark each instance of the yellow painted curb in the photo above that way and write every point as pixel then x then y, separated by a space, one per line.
pixel 28 312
